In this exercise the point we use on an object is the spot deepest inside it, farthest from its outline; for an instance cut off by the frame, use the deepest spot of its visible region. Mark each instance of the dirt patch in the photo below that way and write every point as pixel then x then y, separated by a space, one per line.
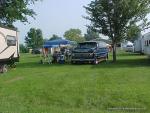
pixel 14 79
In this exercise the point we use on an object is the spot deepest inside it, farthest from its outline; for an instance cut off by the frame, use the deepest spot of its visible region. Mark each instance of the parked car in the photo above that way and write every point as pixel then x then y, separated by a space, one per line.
pixel 36 51
pixel 129 48
pixel 91 52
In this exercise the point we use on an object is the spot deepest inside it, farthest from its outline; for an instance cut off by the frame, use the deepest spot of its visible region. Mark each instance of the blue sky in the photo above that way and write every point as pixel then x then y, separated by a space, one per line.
pixel 55 17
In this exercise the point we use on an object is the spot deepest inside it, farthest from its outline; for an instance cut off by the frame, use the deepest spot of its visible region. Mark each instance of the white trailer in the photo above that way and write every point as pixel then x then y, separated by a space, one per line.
pixel 146 43
pixel 139 46
pixel 142 44
pixel 9 48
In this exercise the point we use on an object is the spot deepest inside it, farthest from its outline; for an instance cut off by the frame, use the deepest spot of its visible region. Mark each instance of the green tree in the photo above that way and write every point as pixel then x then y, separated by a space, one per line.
pixel 13 10
pixel 91 34
pixel 23 48
pixel 113 17
pixel 133 33
pixel 74 35
pixel 54 37
pixel 34 38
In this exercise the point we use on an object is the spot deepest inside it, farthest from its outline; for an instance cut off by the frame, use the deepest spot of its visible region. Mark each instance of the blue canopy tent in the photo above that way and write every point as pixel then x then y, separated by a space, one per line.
pixel 56 43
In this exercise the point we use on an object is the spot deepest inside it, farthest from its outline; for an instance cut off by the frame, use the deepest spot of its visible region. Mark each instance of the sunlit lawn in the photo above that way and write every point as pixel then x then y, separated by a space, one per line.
pixel 35 88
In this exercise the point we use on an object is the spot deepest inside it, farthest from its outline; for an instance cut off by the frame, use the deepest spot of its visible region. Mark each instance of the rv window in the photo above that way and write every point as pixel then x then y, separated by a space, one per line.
pixel 149 41
pixel 11 41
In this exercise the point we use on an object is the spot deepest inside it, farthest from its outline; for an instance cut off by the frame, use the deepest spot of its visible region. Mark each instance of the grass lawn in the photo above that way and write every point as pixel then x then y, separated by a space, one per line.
pixel 36 88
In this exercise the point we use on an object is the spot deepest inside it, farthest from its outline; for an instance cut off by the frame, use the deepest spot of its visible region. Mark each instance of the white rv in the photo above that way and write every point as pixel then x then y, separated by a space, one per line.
pixel 146 43
pixel 9 48
pixel 139 45
pixel 142 44
pixel 127 46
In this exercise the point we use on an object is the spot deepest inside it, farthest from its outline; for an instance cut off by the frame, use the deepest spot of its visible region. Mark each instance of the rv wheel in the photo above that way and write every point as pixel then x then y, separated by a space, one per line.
pixel 4 68
pixel 13 65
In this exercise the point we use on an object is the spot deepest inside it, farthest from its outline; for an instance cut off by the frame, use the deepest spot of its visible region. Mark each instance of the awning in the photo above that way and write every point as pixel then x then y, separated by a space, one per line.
pixel 56 43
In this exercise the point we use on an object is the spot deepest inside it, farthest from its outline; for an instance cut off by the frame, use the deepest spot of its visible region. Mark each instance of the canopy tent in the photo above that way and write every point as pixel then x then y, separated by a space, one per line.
pixel 56 43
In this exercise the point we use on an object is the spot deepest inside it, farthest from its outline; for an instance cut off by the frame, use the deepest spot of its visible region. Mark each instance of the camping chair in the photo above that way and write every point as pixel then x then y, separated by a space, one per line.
pixel 46 57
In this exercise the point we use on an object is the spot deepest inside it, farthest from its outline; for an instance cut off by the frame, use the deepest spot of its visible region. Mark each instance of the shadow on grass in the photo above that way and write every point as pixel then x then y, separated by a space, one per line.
pixel 128 63
pixel 125 63
pixel 128 54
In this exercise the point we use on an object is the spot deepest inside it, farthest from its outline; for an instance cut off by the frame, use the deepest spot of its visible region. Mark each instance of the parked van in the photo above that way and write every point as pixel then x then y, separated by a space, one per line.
pixel 91 52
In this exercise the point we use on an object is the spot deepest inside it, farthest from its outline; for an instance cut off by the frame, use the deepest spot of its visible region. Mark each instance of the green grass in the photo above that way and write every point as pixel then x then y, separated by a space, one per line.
pixel 36 88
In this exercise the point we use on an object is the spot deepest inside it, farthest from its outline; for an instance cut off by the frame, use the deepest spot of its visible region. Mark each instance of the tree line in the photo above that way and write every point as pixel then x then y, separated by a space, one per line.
pixel 34 38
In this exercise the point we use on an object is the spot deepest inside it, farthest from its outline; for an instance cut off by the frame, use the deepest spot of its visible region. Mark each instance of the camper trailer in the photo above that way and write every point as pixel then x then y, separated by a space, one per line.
pixel 146 43
pixel 127 46
pixel 138 45
pixel 142 44
pixel 9 48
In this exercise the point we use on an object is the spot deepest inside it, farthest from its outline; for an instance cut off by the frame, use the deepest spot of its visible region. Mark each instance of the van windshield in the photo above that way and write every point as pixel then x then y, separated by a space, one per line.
pixel 87 45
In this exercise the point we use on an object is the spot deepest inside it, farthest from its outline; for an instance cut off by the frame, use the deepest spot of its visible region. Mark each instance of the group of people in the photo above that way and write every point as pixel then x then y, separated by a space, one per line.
pixel 62 56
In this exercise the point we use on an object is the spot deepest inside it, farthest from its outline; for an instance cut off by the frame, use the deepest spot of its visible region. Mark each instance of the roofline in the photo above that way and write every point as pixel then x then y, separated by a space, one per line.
pixel 14 29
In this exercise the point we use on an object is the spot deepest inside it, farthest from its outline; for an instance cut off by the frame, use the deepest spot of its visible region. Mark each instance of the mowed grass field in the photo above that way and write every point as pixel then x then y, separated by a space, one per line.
pixel 122 87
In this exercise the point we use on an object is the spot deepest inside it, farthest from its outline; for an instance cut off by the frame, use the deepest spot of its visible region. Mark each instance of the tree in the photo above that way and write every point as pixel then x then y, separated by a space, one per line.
pixel 133 32
pixel 54 37
pixel 13 10
pixel 23 49
pixel 113 17
pixel 91 35
pixel 74 35
pixel 34 38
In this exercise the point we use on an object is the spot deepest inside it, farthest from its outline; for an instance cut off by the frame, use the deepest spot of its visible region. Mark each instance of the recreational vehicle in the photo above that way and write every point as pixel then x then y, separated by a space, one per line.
pixel 142 44
pixel 127 46
pixel 146 43
pixel 9 48
pixel 138 46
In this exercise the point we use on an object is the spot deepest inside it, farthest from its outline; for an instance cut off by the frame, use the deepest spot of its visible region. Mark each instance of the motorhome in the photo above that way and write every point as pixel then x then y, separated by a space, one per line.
pixel 146 43
pixel 138 45
pixel 9 48
pixel 127 46
pixel 142 44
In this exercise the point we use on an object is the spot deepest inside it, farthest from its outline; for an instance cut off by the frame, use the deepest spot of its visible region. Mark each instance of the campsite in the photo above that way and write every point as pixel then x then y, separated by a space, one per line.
pixel 74 56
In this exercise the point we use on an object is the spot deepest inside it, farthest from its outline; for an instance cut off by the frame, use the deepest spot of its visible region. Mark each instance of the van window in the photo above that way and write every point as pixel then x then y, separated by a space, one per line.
pixel 11 41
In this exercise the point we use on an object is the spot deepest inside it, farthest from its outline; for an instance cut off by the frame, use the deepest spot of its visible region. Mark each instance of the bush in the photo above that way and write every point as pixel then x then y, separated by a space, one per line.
pixel 23 49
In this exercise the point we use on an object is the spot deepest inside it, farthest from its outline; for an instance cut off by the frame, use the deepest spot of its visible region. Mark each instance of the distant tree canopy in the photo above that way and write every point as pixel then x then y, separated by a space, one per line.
pixel 54 37
pixel 23 48
pixel 133 32
pixel 34 38
pixel 74 35
pixel 91 34
pixel 112 18
pixel 13 10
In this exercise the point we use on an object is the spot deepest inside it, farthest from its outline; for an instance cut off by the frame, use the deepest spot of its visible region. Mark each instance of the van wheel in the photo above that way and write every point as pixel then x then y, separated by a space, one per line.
pixel 95 62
